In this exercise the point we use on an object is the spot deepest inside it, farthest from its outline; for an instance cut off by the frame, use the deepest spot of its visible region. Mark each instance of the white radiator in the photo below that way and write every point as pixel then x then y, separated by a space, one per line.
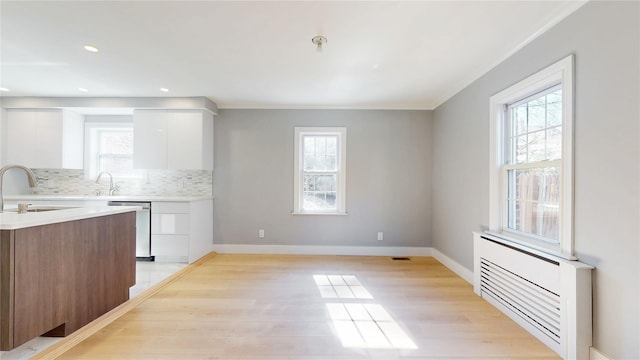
pixel 548 296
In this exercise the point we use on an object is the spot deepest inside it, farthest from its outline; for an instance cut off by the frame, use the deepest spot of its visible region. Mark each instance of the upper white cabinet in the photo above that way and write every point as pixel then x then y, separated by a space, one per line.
pixel 44 138
pixel 173 139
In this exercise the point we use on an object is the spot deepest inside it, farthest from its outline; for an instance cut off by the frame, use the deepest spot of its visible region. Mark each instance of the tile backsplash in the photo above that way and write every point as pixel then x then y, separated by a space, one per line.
pixel 153 183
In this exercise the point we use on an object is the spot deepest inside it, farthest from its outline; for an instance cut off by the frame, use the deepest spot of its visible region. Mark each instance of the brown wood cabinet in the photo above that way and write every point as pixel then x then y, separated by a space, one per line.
pixel 56 278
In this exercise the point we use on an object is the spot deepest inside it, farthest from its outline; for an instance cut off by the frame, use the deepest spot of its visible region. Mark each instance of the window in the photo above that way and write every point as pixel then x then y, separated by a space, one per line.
pixel 320 170
pixel 109 147
pixel 531 145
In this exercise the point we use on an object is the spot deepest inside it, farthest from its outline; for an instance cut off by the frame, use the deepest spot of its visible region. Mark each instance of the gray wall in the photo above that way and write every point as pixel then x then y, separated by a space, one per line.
pixel 604 37
pixel 388 179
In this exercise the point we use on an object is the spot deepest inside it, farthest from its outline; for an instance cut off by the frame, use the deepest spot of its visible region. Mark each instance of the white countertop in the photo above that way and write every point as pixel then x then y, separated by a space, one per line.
pixel 104 198
pixel 12 220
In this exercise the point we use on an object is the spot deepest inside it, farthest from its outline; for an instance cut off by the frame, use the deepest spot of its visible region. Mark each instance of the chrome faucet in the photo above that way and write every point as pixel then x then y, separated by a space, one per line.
pixel 32 180
pixel 112 189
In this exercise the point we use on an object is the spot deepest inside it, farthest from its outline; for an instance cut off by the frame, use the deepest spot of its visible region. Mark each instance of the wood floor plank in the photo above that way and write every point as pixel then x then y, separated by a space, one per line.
pixel 270 307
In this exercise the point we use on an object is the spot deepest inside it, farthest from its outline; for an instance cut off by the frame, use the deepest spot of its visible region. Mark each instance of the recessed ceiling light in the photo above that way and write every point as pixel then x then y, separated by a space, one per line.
pixel 3 89
pixel 91 48
pixel 83 89
pixel 164 89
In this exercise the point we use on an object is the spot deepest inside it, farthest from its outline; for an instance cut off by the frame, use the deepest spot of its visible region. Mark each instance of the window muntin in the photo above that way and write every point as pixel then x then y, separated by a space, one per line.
pixel 532 164
pixel 531 177
pixel 533 202
pixel 319 170
pixel 115 151
pixel 109 147
pixel 535 128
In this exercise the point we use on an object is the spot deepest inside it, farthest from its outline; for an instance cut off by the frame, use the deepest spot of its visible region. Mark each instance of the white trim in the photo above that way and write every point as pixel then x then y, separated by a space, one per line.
pixel 542 251
pixel 319 213
pixel 594 354
pixel 482 70
pixel 322 250
pixel 91 137
pixel 341 133
pixel 453 265
pixel 442 97
pixel 560 72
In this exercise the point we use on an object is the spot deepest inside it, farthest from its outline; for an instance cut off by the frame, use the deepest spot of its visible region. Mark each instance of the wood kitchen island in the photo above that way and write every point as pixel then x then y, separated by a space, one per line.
pixel 61 269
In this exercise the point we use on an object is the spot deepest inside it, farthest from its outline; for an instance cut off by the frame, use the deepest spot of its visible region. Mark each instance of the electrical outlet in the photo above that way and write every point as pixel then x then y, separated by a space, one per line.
pixel 261 233
pixel 180 184
pixel 380 235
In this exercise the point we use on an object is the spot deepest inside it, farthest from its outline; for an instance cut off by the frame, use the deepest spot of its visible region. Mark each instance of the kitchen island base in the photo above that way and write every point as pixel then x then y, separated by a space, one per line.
pixel 56 278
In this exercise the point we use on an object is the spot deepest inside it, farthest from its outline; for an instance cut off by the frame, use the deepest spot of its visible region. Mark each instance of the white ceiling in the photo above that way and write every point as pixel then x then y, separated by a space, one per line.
pixel 379 55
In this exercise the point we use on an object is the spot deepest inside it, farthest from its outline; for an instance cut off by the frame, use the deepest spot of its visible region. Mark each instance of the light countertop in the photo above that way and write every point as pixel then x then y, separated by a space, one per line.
pixel 104 198
pixel 11 220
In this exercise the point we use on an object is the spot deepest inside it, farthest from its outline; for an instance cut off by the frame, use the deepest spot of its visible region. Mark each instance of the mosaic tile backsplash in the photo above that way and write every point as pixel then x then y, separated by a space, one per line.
pixel 153 183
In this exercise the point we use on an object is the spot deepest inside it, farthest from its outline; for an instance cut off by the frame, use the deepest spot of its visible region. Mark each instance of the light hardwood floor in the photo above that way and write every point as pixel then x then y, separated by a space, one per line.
pixel 313 307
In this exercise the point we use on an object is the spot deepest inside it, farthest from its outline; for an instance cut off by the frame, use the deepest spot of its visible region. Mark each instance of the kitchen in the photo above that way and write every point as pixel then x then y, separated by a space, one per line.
pixel 73 156
pixel 173 200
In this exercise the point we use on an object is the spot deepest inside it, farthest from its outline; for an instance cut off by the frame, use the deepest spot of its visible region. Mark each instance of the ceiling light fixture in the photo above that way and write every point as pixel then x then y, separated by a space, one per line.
pixel 83 89
pixel 91 48
pixel 164 89
pixel 319 41
pixel 4 89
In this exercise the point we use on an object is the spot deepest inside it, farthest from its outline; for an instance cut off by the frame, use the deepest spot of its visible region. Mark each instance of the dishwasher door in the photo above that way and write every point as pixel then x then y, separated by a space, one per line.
pixel 143 228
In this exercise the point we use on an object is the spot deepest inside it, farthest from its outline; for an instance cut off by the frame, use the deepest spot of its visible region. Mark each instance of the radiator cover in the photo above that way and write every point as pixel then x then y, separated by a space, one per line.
pixel 548 296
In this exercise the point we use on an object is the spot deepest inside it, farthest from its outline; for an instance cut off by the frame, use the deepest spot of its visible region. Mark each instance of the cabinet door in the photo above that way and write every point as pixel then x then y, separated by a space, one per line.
pixel 170 245
pixel 150 139
pixel 170 223
pixel 72 140
pixel 19 127
pixel 34 138
pixel 184 141
pixel 207 141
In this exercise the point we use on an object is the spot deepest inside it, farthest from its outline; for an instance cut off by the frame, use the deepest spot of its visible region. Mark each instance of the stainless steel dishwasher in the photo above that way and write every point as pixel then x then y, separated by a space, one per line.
pixel 143 228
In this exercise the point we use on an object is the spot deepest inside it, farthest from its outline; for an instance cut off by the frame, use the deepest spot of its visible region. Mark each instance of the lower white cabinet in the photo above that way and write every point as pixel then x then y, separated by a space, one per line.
pixel 181 231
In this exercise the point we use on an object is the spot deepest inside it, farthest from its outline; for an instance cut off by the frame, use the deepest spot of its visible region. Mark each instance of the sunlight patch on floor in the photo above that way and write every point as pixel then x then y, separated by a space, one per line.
pixel 359 324
pixel 341 287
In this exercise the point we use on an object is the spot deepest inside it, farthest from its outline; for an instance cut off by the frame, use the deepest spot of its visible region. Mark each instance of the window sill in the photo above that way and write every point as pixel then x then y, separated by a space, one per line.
pixel 531 244
pixel 319 213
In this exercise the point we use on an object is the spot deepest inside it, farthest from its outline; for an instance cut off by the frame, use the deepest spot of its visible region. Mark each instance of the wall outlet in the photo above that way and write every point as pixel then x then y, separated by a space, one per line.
pixel 380 235
pixel 261 233
pixel 180 184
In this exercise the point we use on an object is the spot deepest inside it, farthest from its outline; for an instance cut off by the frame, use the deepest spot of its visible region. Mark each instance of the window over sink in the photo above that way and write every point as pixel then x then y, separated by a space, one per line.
pixel 109 147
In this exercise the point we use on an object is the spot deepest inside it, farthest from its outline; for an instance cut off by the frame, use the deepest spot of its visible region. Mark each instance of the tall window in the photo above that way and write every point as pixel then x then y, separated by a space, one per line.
pixel 109 147
pixel 320 170
pixel 531 181
pixel 532 166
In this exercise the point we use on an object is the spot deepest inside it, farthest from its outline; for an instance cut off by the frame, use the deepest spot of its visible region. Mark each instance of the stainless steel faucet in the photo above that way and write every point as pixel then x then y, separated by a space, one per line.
pixel 32 180
pixel 112 189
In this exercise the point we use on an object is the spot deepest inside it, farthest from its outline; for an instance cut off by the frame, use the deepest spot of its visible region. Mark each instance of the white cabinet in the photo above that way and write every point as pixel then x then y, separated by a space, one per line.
pixel 181 231
pixel 173 139
pixel 43 138
pixel 149 139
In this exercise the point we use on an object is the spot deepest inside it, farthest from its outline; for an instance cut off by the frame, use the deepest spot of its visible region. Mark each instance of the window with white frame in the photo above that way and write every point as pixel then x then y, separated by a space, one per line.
pixel 109 147
pixel 532 177
pixel 319 170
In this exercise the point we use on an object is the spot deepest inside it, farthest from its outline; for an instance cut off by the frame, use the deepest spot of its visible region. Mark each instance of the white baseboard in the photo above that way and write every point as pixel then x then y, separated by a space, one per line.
pixel 460 270
pixel 322 250
pixel 454 266
pixel 594 354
